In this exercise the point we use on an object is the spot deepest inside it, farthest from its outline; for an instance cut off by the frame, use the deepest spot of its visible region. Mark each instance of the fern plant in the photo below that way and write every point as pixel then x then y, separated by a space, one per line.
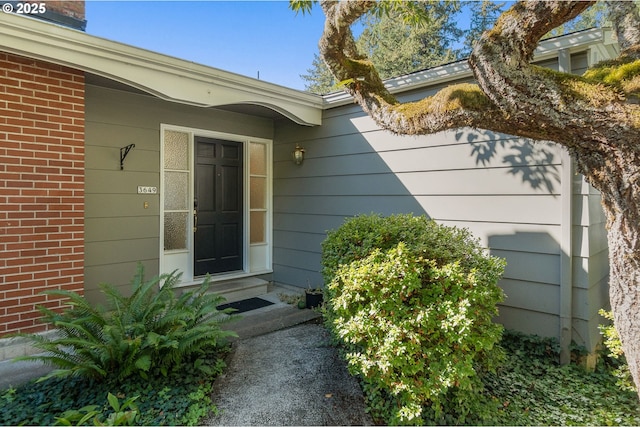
pixel 153 329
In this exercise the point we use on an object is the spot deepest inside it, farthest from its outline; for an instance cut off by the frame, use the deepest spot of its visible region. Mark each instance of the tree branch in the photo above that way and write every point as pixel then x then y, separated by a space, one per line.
pixel 626 24
pixel 512 95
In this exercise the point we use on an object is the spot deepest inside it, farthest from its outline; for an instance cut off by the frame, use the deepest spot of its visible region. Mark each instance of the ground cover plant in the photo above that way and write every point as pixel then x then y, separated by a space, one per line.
pixel 411 303
pixel 532 388
pixel 180 398
pixel 155 347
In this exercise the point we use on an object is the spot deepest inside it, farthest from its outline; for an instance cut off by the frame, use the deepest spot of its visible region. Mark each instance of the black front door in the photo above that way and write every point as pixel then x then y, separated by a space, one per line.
pixel 217 206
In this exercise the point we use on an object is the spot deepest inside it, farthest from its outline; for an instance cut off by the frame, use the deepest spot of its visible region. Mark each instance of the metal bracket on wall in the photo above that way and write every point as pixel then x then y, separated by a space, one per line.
pixel 123 154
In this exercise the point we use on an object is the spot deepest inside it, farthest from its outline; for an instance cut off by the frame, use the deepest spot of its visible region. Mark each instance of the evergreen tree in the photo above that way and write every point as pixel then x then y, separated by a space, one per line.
pixel 594 17
pixel 319 79
pixel 483 15
pixel 397 47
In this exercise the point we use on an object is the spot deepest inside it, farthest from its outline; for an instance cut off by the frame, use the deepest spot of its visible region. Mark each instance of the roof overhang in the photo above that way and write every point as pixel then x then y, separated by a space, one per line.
pixel 166 77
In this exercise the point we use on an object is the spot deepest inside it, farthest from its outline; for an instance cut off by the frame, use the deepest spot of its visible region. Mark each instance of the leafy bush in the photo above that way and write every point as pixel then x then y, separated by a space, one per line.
pixel 151 330
pixel 614 348
pixel 412 303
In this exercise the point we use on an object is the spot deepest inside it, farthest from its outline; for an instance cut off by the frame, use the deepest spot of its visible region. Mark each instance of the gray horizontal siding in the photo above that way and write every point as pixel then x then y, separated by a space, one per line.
pixel 579 63
pixel 541 298
pixel 505 190
pixel 118 275
pixel 483 208
pixel 529 322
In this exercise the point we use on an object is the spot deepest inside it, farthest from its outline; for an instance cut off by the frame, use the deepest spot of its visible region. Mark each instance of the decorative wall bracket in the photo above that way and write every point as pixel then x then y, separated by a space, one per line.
pixel 123 154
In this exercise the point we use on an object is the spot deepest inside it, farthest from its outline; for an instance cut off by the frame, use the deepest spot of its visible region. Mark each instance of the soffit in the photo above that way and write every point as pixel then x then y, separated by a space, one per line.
pixel 160 75
pixel 248 109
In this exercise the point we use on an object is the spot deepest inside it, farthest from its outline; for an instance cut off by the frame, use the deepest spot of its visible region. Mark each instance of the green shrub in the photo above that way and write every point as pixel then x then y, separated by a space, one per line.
pixel 614 352
pixel 151 330
pixel 412 304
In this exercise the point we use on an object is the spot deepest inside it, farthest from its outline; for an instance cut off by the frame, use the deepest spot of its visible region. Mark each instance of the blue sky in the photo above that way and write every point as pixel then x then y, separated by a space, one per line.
pixel 244 37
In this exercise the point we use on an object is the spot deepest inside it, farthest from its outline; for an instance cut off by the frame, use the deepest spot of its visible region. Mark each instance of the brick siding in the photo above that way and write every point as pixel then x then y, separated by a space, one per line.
pixel 41 188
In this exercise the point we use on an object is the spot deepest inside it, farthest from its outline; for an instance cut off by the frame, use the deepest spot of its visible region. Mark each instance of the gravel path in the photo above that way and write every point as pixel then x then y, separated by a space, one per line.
pixel 288 377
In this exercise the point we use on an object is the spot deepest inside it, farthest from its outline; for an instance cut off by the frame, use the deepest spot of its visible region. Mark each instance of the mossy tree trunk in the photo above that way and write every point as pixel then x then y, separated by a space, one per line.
pixel 596 116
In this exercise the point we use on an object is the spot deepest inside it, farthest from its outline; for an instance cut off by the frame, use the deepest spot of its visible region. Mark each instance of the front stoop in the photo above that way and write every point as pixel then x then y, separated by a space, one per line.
pixel 270 319
pixel 239 289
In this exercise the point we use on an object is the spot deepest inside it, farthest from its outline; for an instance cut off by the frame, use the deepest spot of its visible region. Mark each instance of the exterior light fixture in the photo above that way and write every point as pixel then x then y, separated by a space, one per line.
pixel 298 155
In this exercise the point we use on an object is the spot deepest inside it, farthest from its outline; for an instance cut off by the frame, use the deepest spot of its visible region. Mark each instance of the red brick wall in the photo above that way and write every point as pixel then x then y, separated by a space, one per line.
pixel 71 8
pixel 41 188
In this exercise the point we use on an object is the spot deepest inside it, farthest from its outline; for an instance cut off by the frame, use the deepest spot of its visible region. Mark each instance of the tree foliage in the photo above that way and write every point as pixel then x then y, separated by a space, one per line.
pixel 484 14
pixel 319 78
pixel 396 45
pixel 399 48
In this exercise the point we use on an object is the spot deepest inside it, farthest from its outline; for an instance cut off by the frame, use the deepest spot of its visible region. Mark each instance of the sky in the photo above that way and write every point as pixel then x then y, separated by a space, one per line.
pixel 262 39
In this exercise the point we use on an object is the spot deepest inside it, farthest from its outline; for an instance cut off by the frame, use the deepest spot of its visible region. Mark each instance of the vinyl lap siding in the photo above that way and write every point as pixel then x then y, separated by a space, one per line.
pixel 510 200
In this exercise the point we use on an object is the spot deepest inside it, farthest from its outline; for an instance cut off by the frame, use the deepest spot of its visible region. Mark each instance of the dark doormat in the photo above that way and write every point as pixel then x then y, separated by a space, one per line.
pixel 246 305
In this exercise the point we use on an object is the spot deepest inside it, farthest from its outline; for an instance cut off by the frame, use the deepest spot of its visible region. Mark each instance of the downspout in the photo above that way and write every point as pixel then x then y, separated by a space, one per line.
pixel 566 243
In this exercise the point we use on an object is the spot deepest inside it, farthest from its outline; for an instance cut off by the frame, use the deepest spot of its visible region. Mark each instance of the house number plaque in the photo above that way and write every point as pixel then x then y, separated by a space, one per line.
pixel 147 190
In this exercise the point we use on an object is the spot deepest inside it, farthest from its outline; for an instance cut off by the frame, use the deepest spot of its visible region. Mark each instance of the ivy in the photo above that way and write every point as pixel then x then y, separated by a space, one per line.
pixel 180 398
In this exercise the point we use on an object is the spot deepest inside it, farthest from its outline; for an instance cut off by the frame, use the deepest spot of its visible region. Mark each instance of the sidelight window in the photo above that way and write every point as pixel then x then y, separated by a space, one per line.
pixel 258 193
pixel 176 190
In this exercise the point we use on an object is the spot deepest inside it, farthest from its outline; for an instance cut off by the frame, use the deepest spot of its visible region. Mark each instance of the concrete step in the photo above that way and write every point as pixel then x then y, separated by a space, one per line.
pixel 276 318
pixel 239 289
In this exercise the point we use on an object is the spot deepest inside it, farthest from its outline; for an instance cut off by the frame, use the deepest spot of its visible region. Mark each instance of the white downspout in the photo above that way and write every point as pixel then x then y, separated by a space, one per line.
pixel 566 244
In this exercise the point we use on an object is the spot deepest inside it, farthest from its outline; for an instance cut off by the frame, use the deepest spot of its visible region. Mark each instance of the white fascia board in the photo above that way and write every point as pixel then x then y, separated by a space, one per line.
pixel 164 76
pixel 458 70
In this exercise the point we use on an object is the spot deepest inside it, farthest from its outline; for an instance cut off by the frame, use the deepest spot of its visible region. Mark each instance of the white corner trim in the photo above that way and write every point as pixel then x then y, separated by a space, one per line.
pixel 164 76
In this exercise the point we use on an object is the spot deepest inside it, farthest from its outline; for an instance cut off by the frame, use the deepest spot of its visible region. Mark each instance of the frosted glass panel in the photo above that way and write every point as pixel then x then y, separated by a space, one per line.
pixel 176 190
pixel 176 150
pixel 175 230
pixel 258 187
pixel 258 227
pixel 258 155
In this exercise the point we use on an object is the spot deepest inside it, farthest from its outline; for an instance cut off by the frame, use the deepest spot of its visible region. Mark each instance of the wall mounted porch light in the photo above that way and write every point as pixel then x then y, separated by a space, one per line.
pixel 298 155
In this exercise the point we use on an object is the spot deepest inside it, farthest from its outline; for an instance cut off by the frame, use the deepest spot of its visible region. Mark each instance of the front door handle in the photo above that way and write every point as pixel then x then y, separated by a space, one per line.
pixel 195 220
